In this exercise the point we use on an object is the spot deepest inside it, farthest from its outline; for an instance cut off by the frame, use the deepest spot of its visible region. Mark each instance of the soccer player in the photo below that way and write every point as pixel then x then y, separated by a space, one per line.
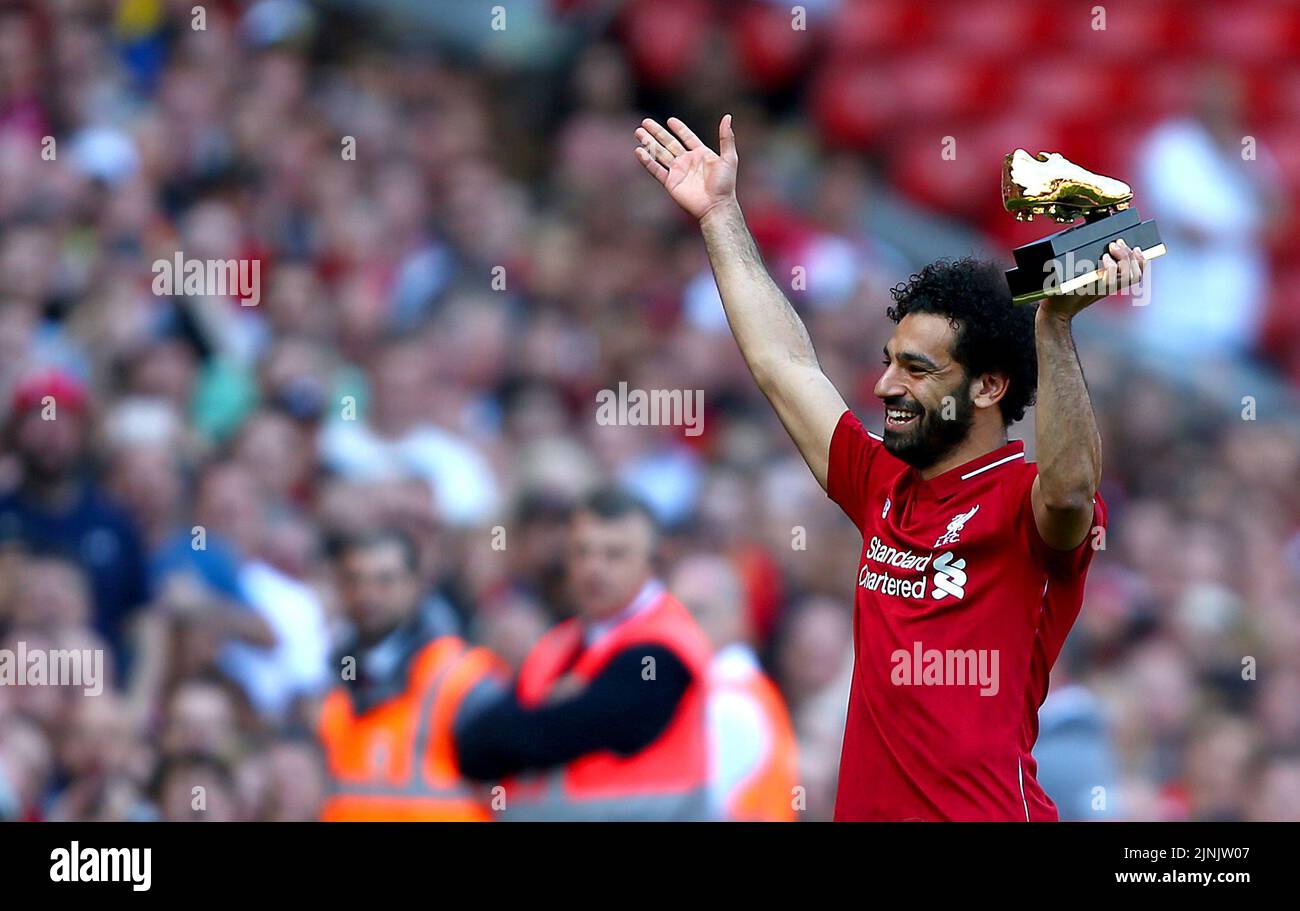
pixel 973 561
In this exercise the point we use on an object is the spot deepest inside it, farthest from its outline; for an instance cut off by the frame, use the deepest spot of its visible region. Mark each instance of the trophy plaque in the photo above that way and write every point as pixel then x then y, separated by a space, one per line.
pixel 1070 260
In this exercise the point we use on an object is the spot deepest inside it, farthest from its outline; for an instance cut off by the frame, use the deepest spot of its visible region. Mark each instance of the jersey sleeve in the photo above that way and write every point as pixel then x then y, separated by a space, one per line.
pixel 853 454
pixel 1058 564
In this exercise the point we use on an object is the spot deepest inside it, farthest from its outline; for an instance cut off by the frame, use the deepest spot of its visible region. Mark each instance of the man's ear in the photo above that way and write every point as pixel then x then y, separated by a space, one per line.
pixel 987 389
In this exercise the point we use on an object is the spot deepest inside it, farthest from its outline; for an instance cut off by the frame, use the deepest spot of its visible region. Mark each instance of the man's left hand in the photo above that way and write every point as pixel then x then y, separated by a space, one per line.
pixel 1123 267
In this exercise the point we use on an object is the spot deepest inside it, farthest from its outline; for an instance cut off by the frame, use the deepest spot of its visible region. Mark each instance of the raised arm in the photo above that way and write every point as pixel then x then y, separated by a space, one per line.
pixel 1066 439
pixel 770 334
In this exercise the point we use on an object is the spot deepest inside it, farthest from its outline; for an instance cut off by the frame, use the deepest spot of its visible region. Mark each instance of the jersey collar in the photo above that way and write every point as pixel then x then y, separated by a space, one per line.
pixel 954 479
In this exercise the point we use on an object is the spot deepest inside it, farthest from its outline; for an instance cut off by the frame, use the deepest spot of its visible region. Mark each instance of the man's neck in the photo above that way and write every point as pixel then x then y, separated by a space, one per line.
pixel 980 441
pixel 382 654
pixel 647 594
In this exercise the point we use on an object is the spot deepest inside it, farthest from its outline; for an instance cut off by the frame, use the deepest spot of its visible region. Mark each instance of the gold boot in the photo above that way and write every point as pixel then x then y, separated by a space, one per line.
pixel 1052 185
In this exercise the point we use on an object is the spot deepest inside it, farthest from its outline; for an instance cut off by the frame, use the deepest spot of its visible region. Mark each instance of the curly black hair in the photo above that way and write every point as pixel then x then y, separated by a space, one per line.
pixel 993 334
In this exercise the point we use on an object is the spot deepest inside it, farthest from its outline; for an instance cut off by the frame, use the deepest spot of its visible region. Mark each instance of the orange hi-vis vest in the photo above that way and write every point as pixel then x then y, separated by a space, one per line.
pixel 766 794
pixel 397 761
pixel 668 780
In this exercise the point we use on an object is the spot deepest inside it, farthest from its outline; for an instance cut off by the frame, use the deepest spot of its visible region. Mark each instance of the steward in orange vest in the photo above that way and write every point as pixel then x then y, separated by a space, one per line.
pixel 754 754
pixel 387 730
pixel 607 720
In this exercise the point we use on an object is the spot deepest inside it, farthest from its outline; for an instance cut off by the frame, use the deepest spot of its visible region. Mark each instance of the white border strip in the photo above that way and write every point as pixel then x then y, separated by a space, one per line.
pixel 971 474
pixel 1021 775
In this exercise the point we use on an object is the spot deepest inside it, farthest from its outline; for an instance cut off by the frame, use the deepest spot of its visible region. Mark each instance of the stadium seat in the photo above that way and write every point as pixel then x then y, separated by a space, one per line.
pixel 865 26
pixel 852 104
pixel 1134 31
pixel 1000 29
pixel 666 37
pixel 936 84
pixel 1076 88
pixel 1248 32
pixel 771 52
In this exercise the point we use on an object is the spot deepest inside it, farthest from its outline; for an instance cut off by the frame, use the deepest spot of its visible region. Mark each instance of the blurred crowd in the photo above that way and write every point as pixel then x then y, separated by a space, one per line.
pixel 458 251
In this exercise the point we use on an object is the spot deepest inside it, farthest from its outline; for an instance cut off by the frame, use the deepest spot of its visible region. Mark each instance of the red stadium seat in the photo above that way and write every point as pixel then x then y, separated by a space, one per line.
pixel 1273 93
pixel 1282 143
pixel 940 84
pixel 852 104
pixel 1288 93
pixel 1001 29
pixel 1160 92
pixel 1134 30
pixel 666 37
pixel 771 52
pixel 957 186
pixel 1074 88
pixel 864 26
pixel 1248 32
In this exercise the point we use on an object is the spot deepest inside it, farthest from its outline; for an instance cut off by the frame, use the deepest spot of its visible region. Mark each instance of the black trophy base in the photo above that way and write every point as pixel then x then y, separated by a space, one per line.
pixel 1069 260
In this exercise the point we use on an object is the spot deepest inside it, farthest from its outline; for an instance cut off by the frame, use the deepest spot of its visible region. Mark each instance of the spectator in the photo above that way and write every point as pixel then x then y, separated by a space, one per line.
pixel 375 725
pixel 1076 764
pixel 400 438
pixel 1210 297
pixel 58 508
pixel 754 756
pixel 610 706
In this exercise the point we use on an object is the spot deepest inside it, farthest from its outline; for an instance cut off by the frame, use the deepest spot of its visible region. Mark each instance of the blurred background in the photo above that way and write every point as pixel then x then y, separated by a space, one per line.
pixel 492 255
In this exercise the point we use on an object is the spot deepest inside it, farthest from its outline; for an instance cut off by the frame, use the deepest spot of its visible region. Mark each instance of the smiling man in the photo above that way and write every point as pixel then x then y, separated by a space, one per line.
pixel 973 561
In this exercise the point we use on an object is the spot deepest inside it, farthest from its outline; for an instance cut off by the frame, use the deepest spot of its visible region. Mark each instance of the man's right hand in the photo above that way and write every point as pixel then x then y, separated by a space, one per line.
pixel 697 178
pixel 772 338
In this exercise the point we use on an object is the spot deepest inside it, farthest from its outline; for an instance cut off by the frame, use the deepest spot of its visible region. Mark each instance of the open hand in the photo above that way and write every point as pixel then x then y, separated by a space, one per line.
pixel 697 178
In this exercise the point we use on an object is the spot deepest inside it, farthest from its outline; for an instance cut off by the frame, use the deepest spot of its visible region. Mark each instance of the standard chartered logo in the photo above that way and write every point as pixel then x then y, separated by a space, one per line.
pixel 949 576
pixel 887 583
pixel 949 573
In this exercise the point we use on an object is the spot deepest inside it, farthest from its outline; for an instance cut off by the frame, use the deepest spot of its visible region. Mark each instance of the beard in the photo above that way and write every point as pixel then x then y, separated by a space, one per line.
pixel 931 436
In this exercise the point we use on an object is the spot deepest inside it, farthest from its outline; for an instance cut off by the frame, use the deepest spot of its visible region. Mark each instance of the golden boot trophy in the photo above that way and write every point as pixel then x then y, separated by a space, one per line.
pixel 1068 261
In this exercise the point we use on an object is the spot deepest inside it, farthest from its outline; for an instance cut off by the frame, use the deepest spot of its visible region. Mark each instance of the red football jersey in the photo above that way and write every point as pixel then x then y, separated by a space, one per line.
pixel 961 610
